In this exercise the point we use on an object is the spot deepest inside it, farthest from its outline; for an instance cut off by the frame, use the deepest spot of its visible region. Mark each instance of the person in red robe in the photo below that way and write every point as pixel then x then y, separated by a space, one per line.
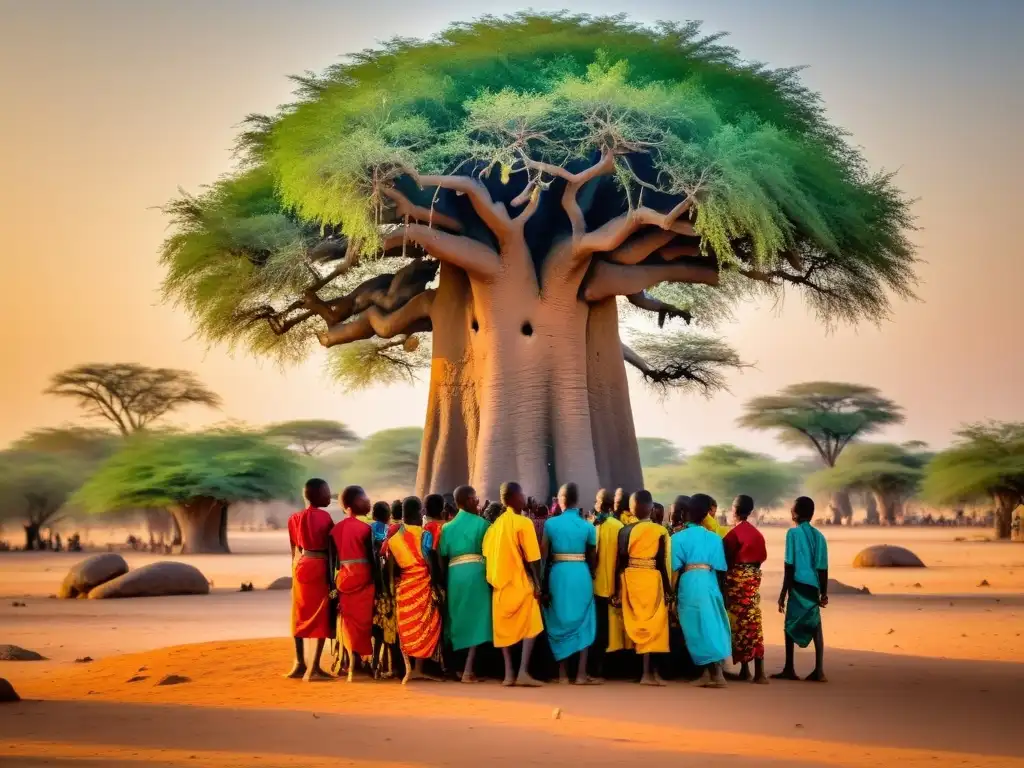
pixel 745 551
pixel 309 535
pixel 352 540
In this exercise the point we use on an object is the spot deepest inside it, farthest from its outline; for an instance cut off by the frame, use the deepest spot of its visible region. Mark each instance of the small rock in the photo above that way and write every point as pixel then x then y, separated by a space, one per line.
pixel 7 692
pixel 143 669
pixel 137 678
pixel 316 716
pixel 799 725
pixel 556 713
pixel 174 680
pixel 83 660
pixel 14 653
pixel 285 582
pixel 16 604
pixel 916 585
pixel 892 632
pixel 984 583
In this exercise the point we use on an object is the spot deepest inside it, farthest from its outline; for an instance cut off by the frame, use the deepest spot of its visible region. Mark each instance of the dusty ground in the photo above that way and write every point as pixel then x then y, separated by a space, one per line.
pixel 920 675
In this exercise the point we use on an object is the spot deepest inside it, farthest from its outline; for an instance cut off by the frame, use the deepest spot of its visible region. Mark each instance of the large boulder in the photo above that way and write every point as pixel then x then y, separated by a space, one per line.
pixel 155 580
pixel 7 692
pixel 838 588
pixel 886 556
pixel 16 653
pixel 92 572
pixel 285 582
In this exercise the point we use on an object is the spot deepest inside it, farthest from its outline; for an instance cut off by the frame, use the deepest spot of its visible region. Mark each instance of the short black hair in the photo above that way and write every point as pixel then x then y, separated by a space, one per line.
pixel 381 512
pixel 462 494
pixel 804 507
pixel 434 505
pixel 744 505
pixel 643 497
pixel 314 485
pixel 350 494
pixel 396 509
pixel 680 510
pixel 507 489
pixel 572 494
pixel 701 502
pixel 412 509
pixel 493 512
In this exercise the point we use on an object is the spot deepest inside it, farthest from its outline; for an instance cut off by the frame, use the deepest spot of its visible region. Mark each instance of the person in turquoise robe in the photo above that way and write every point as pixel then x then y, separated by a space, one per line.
pixel 569 551
pixel 698 557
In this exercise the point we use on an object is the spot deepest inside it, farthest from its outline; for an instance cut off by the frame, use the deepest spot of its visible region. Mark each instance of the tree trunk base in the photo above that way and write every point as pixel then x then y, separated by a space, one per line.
pixel 203 525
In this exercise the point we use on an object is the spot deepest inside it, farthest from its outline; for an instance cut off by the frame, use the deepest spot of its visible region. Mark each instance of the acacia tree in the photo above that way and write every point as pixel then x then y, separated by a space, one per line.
pixel 196 477
pixel 128 395
pixel 824 415
pixel 987 461
pixel 657 452
pixel 890 473
pixel 311 436
pixel 388 458
pixel 35 487
pixel 503 186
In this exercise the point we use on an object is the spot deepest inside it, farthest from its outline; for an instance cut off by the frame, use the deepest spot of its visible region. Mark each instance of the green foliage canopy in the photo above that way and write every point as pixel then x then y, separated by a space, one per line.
pixel 167 470
pixel 657 452
pixel 782 199
pixel 311 436
pixel 988 460
pixel 882 468
pixel 826 415
pixel 724 472
pixel 36 487
pixel 388 458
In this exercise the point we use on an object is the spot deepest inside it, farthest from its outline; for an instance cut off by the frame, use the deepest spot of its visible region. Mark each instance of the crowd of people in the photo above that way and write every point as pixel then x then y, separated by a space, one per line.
pixel 425 589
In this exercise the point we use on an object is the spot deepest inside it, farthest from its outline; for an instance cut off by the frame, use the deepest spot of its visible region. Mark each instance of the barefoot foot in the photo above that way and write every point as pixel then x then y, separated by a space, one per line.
pixel 508 682
pixel 652 680
pixel 761 679
pixel 317 675
pixel 589 681
pixel 703 681
pixel 297 673
pixel 469 677
pixel 526 681
pixel 786 674
pixel 817 676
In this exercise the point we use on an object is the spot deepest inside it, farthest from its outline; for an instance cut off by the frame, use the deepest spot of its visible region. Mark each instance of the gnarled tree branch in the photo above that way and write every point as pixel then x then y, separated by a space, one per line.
pixel 493 214
pixel 404 207
pixel 607 279
pixel 458 250
pixel 614 233
pixel 575 181
pixel 664 310
pixel 376 322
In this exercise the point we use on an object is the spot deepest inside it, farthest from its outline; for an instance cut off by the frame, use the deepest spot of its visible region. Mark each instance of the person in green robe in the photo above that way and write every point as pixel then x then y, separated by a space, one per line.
pixel 464 572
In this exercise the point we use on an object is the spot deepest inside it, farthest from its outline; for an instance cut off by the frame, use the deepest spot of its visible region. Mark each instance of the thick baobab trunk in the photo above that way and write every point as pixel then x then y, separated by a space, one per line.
pixel 616 453
pixel 841 507
pixel 1005 505
pixel 203 523
pixel 452 422
pixel 890 507
pixel 32 540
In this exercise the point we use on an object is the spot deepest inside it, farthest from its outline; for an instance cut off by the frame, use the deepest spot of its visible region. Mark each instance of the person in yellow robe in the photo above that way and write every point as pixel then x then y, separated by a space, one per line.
pixel 642 587
pixel 621 507
pixel 710 506
pixel 611 634
pixel 512 556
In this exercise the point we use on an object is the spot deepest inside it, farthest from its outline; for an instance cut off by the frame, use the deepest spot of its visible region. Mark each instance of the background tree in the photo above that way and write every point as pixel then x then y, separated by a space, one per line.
pixel 725 471
pixel 891 473
pixel 311 436
pixel 132 397
pixel 35 489
pixel 657 452
pixel 128 395
pixel 195 477
pixel 826 416
pixel 84 444
pixel 507 185
pixel 987 461
pixel 387 460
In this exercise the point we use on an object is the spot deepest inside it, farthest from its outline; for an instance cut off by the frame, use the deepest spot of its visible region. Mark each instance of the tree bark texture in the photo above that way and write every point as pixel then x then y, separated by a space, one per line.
pixel 872 509
pixel 841 507
pixel 1005 505
pixel 203 524
pixel 890 507
pixel 527 384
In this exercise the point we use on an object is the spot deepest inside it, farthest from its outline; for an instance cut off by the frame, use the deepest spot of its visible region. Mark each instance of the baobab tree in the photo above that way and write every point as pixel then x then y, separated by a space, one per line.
pixel 825 416
pixel 505 187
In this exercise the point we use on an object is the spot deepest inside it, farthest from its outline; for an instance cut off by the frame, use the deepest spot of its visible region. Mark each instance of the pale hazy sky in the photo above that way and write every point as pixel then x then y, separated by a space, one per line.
pixel 107 107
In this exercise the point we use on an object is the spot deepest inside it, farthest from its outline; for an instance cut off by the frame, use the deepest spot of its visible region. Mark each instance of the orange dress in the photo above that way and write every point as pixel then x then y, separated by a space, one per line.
pixel 356 593
pixel 309 532
pixel 416 612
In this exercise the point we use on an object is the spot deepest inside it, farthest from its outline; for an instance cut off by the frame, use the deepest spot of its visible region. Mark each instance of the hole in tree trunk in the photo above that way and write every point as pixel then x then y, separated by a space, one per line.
pixel 527 329
pixel 475 325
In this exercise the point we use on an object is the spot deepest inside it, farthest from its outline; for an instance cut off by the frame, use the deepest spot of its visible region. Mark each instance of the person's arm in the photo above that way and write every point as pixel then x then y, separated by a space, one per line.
pixel 591 555
pixel 662 569
pixel 790 570
pixel 545 557
pixel 621 560
pixel 374 561
pixel 823 587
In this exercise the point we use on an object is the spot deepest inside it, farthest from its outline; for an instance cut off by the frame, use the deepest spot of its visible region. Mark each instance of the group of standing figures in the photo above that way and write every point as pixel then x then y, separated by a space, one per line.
pixel 412 588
